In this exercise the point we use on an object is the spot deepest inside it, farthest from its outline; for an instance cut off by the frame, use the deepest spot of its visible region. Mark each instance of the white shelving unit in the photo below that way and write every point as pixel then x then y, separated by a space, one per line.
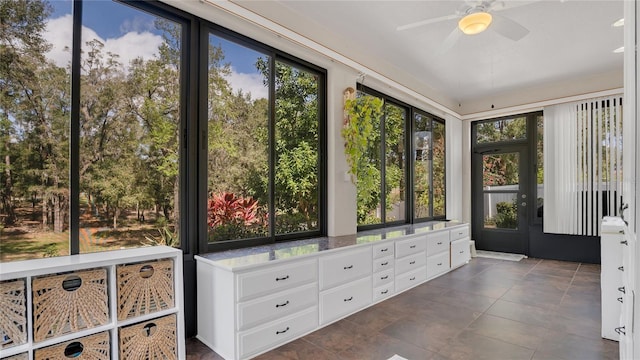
pixel 110 260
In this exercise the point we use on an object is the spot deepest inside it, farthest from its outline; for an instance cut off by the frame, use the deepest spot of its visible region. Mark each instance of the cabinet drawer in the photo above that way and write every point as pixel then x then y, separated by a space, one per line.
pixel 344 267
pixel 266 281
pixel 383 264
pixel 384 277
pixel 411 279
pixel 345 299
pixel 459 233
pixel 410 246
pixel 437 243
pixel 277 306
pixel 410 262
pixel 276 333
pixel 437 264
pixel 383 250
pixel 382 292
pixel 459 252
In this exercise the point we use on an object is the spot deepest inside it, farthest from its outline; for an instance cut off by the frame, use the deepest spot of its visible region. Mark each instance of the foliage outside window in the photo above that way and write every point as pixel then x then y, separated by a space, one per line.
pixel 263 162
pixel 129 121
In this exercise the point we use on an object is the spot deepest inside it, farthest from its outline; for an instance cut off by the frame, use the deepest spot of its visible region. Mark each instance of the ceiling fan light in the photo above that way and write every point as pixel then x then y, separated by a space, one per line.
pixel 475 23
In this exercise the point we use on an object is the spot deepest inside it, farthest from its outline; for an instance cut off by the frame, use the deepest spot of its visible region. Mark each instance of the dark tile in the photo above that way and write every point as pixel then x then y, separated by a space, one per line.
pixel 298 350
pixel 527 314
pixel 510 331
pixel 570 346
pixel 470 346
pixel 465 299
pixel 452 314
pixel 338 336
pixel 199 351
pixel 374 318
pixel 427 290
pixel 545 297
pixel 382 347
pixel 557 264
pixel 482 286
pixel 544 280
pixel 423 331
pixel 553 271
pixel 589 268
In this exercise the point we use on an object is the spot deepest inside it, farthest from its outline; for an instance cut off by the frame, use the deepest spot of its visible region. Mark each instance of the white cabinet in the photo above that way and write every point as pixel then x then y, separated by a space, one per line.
pixel 611 272
pixel 438 254
pixel 344 266
pixel 344 299
pixel 460 252
pixel 411 262
pixel 97 303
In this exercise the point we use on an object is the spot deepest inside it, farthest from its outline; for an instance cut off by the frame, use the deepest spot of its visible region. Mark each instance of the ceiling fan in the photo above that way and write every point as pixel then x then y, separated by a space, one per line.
pixel 475 17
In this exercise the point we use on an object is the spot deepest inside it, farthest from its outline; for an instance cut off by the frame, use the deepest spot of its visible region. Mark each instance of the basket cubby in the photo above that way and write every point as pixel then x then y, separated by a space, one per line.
pixel 13 313
pixel 144 288
pixel 51 303
pixel 152 339
pixel 67 303
pixel 93 347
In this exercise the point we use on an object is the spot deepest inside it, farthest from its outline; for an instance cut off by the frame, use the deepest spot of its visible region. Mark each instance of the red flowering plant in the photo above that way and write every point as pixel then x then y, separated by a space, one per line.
pixel 232 217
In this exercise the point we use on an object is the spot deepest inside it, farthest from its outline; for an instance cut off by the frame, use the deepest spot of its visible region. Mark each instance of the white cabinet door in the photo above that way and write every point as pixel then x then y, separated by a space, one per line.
pixel 410 246
pixel 459 232
pixel 411 279
pixel 265 281
pixel 345 299
pixel 459 252
pixel 437 264
pixel 344 266
pixel 437 243
pixel 411 262
pixel 383 250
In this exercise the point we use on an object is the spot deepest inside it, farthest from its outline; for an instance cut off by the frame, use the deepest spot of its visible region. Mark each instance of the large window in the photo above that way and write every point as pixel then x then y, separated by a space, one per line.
pixel 387 194
pixel 264 128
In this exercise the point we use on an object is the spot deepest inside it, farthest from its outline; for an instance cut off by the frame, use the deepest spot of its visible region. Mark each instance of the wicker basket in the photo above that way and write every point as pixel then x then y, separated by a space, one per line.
pixel 13 313
pixel 153 339
pixel 144 288
pixel 93 347
pixel 66 303
pixel 21 356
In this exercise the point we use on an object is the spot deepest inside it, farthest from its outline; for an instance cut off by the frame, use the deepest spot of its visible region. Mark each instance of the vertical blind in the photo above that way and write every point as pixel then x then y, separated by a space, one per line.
pixel 582 165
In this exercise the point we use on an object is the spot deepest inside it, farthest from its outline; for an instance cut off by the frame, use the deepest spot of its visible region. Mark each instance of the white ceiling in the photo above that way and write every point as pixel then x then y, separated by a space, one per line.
pixel 567 52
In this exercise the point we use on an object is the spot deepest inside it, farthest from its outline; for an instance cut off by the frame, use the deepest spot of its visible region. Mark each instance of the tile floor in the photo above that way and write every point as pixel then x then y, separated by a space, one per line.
pixel 489 309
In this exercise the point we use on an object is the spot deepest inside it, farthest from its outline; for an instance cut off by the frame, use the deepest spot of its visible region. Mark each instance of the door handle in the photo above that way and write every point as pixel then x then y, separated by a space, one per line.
pixel 524 203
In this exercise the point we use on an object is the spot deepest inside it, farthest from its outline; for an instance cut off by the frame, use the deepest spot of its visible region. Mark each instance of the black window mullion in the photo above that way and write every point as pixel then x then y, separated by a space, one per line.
pixel 383 166
pixel 74 140
pixel 272 146
pixel 430 155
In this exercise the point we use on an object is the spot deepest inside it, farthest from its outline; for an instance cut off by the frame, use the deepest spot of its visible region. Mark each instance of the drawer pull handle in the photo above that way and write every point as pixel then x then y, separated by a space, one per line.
pixel 385 249
pixel 462 252
pixel 348 267
pixel 282 278
pixel 621 289
pixel 621 268
pixel 412 247
pixel 283 304
pixel 460 233
pixel 283 331
pixel 439 242
pixel 620 330
pixel 624 242
pixel 412 278
pixel 384 292
pixel 384 277
pixel 348 299
pixel 620 299
pixel 384 263
pixel 439 264
pixel 412 262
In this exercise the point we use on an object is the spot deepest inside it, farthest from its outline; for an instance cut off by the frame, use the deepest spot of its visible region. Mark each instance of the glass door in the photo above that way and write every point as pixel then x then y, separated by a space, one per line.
pixel 500 201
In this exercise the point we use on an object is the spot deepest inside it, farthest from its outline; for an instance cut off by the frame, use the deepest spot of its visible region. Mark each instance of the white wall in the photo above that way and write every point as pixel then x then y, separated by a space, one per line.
pixel 454 166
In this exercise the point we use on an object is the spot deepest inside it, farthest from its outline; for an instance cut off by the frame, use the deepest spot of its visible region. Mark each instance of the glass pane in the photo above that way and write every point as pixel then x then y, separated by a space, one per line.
pixel 395 118
pixel 238 142
pixel 129 128
pixel 34 129
pixel 500 171
pixel 540 167
pixel 501 130
pixel 501 211
pixel 297 143
pixel 438 169
pixel 422 170
pixel 369 180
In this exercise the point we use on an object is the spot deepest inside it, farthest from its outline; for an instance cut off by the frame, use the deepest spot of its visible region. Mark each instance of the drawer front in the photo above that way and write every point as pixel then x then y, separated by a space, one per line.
pixel 410 246
pixel 437 243
pixel 277 306
pixel 459 233
pixel 459 252
pixel 437 264
pixel 344 267
pixel 411 279
pixel 345 299
pixel 382 278
pixel 277 278
pixel 382 292
pixel 274 334
pixel 383 250
pixel 411 262
pixel 383 264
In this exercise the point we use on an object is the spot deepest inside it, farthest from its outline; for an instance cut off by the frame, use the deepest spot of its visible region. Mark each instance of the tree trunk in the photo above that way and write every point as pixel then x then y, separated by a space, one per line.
pixel 57 215
pixel 116 213
pixel 7 201
pixel 45 212
pixel 176 207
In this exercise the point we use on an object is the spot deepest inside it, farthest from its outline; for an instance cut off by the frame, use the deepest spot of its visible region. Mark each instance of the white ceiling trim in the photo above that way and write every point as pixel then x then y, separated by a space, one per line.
pixel 521 109
pixel 232 8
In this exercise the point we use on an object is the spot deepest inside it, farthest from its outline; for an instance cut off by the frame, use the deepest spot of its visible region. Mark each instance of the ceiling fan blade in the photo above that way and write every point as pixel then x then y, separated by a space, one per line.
pixel 508 28
pixel 426 22
pixel 504 5
pixel 450 40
